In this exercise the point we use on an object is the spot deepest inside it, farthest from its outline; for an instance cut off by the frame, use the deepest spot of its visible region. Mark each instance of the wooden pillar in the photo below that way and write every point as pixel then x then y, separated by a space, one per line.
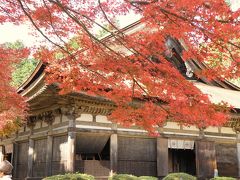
pixel 94 117
pixel 1 153
pixel 205 159
pixel 15 159
pixel 71 144
pixel 238 152
pixel 238 158
pixel 113 153
pixel 162 157
pixel 49 154
pixel 30 157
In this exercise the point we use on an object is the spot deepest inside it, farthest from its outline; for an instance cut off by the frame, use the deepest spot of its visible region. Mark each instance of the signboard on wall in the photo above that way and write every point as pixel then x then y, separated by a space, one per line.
pixel 180 144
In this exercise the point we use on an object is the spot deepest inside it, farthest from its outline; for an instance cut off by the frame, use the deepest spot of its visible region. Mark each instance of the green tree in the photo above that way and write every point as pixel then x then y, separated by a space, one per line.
pixel 23 70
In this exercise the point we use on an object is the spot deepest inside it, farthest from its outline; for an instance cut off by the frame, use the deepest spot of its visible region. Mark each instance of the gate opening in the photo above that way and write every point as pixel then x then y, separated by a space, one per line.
pixel 182 160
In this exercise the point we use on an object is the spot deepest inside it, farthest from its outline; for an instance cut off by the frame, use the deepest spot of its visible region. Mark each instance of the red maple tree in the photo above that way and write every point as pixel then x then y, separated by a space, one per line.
pixel 133 69
pixel 12 105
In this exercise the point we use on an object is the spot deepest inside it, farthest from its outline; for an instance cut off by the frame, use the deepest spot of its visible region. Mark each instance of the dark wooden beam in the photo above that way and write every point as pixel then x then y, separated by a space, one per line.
pixel 114 153
pixel 238 153
pixel 162 157
pixel 238 158
pixel 15 158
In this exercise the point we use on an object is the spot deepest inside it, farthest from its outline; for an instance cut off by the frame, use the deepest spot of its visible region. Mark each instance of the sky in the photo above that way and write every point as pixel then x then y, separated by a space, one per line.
pixel 11 33
pixel 235 4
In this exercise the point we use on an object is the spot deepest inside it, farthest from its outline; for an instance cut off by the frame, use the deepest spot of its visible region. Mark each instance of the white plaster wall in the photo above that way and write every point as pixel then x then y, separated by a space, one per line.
pixel 44 124
pixel 85 117
pixel 227 130
pixel 57 120
pixel 37 125
pixel 172 125
pixel 102 119
pixel 190 128
pixel 64 119
pixel 211 129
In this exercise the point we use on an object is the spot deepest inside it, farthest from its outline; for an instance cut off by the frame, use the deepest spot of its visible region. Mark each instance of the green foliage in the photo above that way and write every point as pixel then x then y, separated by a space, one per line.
pixel 223 178
pixel 123 177
pixel 147 178
pixel 70 176
pixel 131 177
pixel 179 176
pixel 15 45
pixel 22 71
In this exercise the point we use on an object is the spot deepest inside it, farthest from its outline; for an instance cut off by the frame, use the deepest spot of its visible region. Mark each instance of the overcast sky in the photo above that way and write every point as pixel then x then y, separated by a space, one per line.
pixel 235 4
pixel 11 33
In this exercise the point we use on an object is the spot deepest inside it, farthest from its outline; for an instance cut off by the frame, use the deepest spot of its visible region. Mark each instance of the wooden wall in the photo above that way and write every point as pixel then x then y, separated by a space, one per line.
pixel 205 159
pixel 39 158
pixel 93 167
pixel 226 154
pixel 22 160
pixel 137 156
pixel 59 156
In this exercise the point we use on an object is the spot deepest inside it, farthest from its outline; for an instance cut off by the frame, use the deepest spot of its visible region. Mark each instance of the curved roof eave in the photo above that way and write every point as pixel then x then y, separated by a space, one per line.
pixel 39 70
pixel 218 94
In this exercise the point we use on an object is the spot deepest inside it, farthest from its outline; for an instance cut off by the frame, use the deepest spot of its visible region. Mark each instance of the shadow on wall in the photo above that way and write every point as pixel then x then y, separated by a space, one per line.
pixel 93 154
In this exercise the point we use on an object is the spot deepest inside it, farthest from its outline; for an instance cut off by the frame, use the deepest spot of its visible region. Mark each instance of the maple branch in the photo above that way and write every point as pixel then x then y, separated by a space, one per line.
pixel 74 18
pixel 234 44
pixel 57 45
pixel 133 87
pixel 194 25
pixel 85 28
pixel 115 35
pixel 229 52
pixel 142 88
pixel 4 10
pixel 51 23
pixel 171 19
pixel 105 16
pixel 37 28
pixel 142 2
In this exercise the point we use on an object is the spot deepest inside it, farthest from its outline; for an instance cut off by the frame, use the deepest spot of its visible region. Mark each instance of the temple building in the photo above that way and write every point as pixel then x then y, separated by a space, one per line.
pixel 71 133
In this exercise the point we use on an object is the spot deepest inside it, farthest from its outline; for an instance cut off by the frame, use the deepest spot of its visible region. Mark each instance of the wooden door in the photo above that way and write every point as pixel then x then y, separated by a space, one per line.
pixel 205 159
